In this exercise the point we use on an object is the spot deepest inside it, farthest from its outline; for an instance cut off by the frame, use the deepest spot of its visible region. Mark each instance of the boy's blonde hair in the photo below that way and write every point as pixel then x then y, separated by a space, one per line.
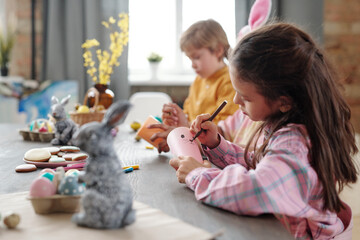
pixel 205 34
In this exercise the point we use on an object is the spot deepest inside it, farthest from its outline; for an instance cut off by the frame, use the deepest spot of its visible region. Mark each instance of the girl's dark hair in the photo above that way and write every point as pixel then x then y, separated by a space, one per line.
pixel 282 60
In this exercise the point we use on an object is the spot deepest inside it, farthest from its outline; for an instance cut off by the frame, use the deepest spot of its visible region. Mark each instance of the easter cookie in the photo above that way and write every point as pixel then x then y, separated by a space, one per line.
pixel 53 150
pixel 79 156
pixel 69 149
pixel 68 156
pixel 61 154
pixel 75 156
pixel 25 168
pixel 56 159
pixel 37 155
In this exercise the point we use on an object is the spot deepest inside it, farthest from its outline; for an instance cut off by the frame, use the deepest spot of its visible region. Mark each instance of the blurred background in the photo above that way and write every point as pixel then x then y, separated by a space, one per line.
pixel 49 34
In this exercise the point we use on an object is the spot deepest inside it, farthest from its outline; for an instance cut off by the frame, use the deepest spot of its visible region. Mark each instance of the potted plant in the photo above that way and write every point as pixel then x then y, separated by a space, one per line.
pixel 7 40
pixel 154 60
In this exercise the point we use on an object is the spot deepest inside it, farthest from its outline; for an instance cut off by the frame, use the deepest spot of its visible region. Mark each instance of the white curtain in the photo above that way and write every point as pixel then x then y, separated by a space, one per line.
pixel 67 24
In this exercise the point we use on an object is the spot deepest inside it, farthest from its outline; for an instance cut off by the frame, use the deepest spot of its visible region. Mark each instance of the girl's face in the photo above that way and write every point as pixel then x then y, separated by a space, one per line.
pixel 203 61
pixel 251 102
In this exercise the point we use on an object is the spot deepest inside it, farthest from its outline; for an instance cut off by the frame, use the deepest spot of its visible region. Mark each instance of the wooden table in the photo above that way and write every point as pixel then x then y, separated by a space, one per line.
pixel 155 184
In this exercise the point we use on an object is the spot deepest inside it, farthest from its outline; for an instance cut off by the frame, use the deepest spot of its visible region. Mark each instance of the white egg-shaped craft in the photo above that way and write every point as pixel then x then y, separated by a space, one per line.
pixel 181 143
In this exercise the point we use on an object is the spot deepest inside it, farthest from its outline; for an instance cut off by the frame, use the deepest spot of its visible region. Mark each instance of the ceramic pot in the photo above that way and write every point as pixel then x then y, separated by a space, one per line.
pixel 106 96
pixel 4 70
pixel 154 66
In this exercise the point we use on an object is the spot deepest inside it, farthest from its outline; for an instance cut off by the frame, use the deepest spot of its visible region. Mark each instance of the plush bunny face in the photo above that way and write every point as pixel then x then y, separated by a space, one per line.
pixel 58 108
pixel 58 111
pixel 92 137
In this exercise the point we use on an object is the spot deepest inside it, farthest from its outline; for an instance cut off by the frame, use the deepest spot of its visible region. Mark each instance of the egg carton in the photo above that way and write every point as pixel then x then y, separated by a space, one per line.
pixel 36 136
pixel 56 204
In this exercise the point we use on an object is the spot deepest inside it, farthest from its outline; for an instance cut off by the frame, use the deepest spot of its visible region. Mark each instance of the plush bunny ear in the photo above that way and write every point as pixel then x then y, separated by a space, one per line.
pixel 65 100
pixel 259 14
pixel 116 113
pixel 54 100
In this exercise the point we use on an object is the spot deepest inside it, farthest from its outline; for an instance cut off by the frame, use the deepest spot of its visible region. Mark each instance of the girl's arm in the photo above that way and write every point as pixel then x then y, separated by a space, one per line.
pixel 226 153
pixel 281 182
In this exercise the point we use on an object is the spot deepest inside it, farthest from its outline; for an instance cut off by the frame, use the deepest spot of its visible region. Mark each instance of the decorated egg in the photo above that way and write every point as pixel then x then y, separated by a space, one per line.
pixel 42 187
pixel 45 170
pixel 69 185
pixel 50 126
pixel 11 220
pixel 48 175
pixel 72 172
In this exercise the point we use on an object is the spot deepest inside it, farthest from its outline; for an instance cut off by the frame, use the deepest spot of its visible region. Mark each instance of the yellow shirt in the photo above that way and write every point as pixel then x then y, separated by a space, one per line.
pixel 206 94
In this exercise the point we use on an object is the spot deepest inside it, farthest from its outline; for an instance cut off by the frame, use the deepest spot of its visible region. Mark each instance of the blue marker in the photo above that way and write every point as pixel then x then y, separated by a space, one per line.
pixel 127 170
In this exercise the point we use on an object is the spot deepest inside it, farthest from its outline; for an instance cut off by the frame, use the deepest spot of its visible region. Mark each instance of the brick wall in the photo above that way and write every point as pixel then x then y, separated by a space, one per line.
pixel 20 64
pixel 342 44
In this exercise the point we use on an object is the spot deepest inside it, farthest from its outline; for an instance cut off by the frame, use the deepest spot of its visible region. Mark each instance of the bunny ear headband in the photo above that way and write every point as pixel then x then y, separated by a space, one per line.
pixel 259 14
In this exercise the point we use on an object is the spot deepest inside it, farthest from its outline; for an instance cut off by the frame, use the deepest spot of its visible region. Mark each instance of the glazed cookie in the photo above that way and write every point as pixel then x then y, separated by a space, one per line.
pixel 79 156
pixel 68 156
pixel 37 155
pixel 53 150
pixel 60 154
pixel 69 149
pixel 75 156
pixel 25 168
pixel 56 159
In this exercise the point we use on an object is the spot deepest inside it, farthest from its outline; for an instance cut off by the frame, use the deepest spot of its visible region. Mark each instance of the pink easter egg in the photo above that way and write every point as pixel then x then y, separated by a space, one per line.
pixel 42 187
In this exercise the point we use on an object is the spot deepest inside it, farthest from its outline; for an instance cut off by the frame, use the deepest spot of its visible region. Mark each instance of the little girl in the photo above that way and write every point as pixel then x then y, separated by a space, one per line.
pixel 303 160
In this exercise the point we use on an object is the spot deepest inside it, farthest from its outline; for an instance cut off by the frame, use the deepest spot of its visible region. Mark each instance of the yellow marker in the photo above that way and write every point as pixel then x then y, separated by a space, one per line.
pixel 135 167
pixel 149 147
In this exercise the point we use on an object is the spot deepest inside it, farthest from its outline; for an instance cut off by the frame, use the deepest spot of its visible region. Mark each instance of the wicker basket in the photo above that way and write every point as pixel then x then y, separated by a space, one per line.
pixel 93 116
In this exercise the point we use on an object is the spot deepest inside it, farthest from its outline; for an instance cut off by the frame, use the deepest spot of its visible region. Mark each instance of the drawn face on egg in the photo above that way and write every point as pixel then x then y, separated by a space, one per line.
pixel 186 138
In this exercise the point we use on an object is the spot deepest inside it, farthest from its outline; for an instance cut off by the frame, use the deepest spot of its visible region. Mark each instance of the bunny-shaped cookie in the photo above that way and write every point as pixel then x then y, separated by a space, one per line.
pixel 107 200
pixel 259 14
pixel 64 126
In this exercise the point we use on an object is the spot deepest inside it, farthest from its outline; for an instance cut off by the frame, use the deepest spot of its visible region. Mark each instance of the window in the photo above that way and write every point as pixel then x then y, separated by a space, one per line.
pixel 156 26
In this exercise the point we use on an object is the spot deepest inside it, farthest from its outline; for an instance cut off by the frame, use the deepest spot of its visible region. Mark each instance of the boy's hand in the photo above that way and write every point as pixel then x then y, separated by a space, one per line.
pixel 185 164
pixel 173 115
pixel 210 136
pixel 163 147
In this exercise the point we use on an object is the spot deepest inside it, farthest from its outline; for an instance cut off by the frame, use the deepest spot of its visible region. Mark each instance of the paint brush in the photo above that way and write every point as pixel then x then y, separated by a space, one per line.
pixel 211 118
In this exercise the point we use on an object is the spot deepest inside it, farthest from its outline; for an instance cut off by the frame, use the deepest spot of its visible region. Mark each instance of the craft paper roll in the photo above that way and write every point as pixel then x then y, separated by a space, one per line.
pixel 180 144
pixel 146 133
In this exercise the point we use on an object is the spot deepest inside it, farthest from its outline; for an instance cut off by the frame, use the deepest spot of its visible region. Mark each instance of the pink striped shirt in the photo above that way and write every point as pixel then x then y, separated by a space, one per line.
pixel 283 183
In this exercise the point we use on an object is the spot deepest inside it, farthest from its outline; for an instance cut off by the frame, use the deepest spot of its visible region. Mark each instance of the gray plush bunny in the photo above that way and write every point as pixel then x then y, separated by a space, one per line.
pixel 107 200
pixel 64 126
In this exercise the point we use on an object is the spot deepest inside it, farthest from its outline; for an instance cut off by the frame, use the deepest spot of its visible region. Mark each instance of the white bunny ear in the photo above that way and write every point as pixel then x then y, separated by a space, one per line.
pixel 259 14
pixel 65 100
pixel 54 100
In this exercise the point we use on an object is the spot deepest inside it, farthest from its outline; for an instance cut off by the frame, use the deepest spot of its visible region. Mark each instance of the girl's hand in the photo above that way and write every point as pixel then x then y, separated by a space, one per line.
pixel 173 115
pixel 185 164
pixel 210 135
pixel 163 147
